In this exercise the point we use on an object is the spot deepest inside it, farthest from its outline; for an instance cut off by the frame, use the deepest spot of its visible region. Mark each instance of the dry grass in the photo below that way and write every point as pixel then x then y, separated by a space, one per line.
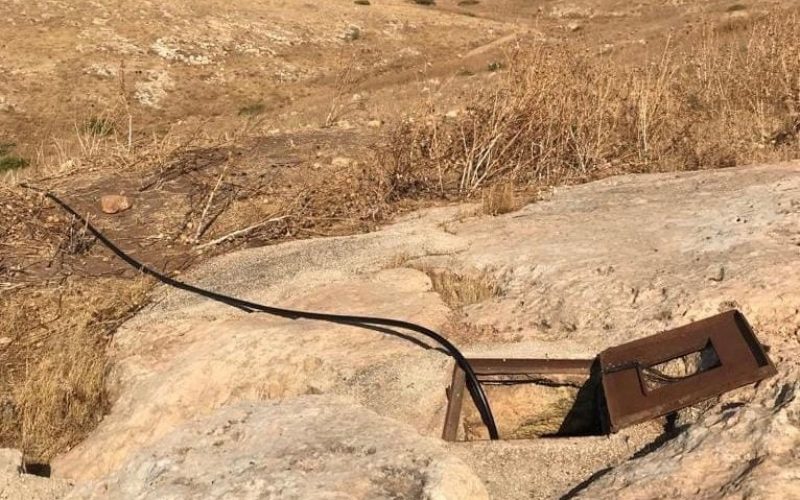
pixel 54 363
pixel 458 290
pixel 500 199
pixel 561 117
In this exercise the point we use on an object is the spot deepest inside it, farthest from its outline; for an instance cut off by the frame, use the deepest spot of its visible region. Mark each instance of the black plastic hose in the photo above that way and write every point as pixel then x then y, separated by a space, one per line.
pixel 473 384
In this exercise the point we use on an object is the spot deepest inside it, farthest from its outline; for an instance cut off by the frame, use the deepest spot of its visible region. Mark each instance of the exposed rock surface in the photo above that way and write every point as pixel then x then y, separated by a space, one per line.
pixel 186 371
pixel 16 485
pixel 742 449
pixel 308 447
pixel 594 266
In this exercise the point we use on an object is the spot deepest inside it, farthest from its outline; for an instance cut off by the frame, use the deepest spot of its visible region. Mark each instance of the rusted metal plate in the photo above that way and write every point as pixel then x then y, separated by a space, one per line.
pixel 630 399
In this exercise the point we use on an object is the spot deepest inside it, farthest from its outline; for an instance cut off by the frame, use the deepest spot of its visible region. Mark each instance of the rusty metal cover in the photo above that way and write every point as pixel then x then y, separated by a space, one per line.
pixel 635 387
pixel 630 398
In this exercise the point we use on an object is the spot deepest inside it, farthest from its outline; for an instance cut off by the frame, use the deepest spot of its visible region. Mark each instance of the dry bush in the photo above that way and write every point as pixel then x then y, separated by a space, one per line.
pixel 560 117
pixel 351 200
pixel 53 360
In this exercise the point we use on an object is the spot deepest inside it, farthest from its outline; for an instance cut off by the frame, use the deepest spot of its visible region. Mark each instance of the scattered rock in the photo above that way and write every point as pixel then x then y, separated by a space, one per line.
pixel 344 124
pixel 738 15
pixel 173 51
pixel 574 26
pixel 152 91
pixel 114 203
pixel 101 70
pixel 566 10
pixel 6 104
pixel 606 48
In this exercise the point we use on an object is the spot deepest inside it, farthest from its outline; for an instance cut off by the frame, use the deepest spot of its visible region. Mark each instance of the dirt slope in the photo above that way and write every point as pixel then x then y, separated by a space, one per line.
pixel 154 66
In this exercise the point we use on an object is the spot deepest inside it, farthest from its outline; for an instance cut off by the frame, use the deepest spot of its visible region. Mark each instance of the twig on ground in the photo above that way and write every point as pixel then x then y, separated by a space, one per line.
pixel 241 232
pixel 201 227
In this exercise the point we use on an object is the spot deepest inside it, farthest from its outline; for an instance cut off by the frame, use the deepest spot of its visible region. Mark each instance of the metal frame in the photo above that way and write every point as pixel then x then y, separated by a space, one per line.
pixel 626 398
pixel 488 368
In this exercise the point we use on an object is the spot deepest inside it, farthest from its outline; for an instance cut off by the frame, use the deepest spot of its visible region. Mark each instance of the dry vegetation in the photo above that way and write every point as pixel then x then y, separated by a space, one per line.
pixel 461 289
pixel 554 116
pixel 56 320
pixel 500 199
pixel 54 365
pixel 561 117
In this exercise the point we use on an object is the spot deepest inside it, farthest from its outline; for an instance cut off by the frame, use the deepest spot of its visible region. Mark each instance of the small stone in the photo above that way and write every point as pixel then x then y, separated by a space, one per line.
pixel 351 34
pixel 738 15
pixel 114 203
pixel 68 165
pixel 606 48
pixel 344 125
pixel 375 123
pixel 574 26
pixel 342 162
pixel 4 341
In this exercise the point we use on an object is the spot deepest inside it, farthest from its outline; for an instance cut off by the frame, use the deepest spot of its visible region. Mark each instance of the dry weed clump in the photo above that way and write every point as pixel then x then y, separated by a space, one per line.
pixel 560 117
pixel 458 290
pixel 53 360
pixel 500 199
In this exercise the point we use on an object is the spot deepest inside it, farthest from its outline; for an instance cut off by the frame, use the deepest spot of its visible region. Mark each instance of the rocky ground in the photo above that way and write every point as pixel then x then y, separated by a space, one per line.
pixel 211 401
pixel 212 116
pixel 15 483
